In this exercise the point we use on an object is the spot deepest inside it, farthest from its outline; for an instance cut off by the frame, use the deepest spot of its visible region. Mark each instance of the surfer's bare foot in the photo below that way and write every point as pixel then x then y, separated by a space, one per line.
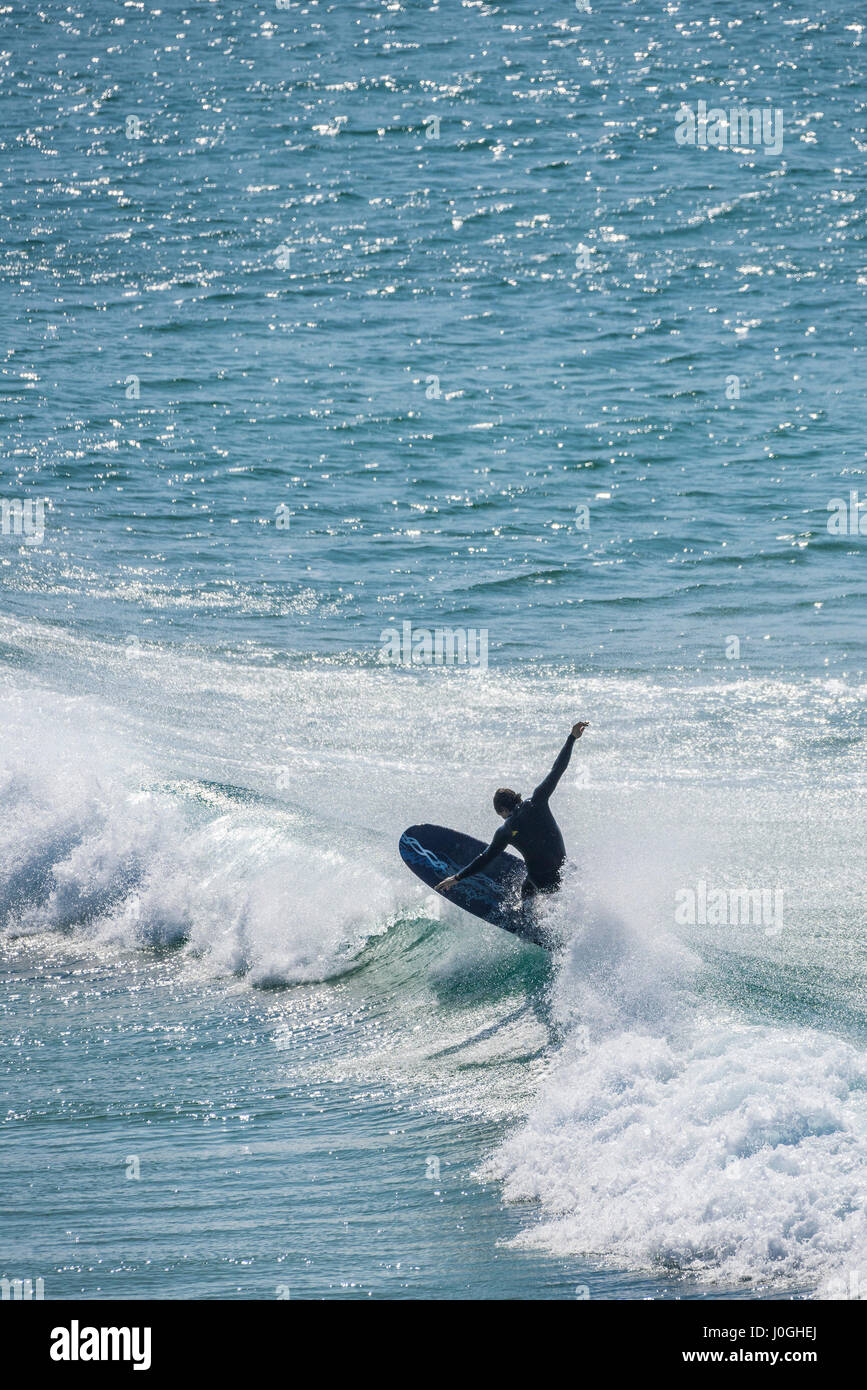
pixel 446 883
pixel 578 729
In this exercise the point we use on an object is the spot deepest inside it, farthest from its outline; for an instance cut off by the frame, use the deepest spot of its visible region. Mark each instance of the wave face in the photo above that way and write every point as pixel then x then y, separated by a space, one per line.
pixel 96 842
pixel 678 1098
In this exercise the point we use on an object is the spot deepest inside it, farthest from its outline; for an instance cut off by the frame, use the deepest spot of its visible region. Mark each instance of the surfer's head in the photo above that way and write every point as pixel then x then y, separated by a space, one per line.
pixel 506 801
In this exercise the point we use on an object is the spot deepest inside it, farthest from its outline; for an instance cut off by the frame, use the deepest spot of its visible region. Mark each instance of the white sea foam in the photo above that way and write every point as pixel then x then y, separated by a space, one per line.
pixel 670 1135
pixel 87 845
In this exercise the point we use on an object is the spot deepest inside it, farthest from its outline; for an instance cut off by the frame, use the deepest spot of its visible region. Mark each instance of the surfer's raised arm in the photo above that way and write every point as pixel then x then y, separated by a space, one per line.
pixel 546 787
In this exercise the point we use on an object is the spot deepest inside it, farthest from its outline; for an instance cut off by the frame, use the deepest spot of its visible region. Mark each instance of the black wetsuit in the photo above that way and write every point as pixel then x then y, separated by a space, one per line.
pixel 533 831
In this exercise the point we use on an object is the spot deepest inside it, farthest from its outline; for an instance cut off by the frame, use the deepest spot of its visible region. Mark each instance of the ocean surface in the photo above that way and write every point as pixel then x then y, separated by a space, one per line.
pixel 323 319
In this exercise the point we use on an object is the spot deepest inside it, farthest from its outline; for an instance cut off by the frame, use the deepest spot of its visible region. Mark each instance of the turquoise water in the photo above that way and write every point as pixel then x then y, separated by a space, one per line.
pixel 421 284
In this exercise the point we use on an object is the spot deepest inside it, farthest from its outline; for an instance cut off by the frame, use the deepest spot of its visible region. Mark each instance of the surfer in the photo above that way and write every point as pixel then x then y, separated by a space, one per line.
pixel 531 828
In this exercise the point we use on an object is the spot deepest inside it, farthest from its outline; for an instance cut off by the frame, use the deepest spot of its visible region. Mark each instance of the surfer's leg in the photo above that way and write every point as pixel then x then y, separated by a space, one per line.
pixel 529 889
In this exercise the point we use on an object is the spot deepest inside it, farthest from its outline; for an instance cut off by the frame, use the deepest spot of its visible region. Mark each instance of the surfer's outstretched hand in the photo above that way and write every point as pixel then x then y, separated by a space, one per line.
pixel 578 729
pixel 446 884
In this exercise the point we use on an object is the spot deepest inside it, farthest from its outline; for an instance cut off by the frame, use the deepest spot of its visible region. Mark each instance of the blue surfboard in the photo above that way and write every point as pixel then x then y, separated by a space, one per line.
pixel 434 852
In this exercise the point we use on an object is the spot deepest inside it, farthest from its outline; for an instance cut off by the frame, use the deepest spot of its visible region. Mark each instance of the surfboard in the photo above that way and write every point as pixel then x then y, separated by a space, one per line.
pixel 434 852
